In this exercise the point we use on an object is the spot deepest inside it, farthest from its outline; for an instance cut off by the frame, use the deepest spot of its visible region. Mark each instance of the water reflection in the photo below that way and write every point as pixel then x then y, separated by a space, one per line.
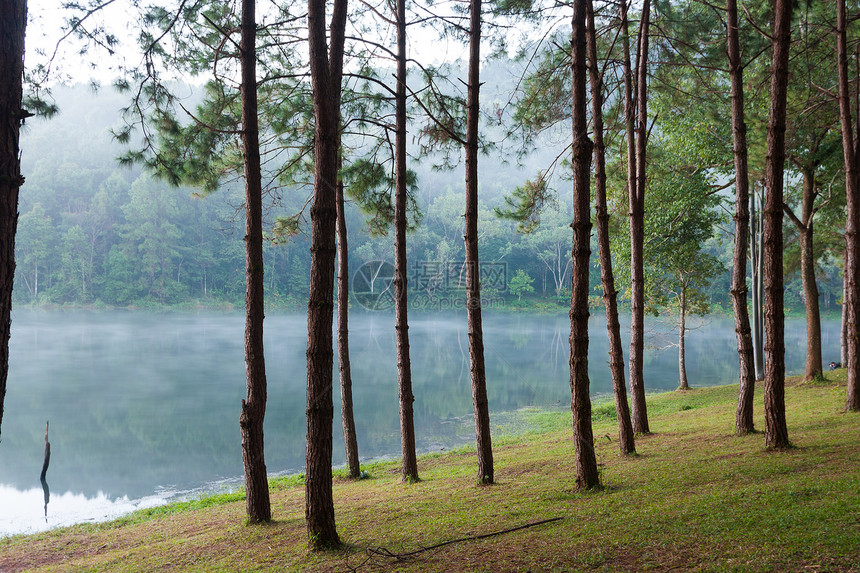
pixel 22 510
pixel 45 464
pixel 46 491
pixel 139 402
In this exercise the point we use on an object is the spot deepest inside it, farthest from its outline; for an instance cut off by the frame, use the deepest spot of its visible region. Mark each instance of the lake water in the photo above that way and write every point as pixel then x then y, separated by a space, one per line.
pixel 145 407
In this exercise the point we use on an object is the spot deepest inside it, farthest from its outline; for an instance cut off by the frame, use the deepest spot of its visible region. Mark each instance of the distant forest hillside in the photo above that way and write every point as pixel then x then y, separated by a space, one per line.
pixel 92 232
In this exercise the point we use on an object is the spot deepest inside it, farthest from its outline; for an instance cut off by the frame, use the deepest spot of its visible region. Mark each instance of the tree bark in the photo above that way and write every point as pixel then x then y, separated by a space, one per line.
pixel 254 406
pixel 637 234
pixel 350 441
pixel 626 440
pixel 852 221
pixel 805 229
pixel 473 278
pixel 586 461
pixel 776 431
pixel 843 330
pixel 746 392
pixel 682 350
pixel 757 289
pixel 409 464
pixel 13 23
pixel 326 73
pixel 814 366
pixel 629 105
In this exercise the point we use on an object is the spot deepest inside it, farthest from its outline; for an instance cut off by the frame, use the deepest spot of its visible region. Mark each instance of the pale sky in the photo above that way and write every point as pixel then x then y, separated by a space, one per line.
pixel 47 20
pixel 45 29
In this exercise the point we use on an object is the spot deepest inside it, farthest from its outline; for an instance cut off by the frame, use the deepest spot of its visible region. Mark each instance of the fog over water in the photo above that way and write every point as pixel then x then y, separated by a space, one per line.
pixel 143 407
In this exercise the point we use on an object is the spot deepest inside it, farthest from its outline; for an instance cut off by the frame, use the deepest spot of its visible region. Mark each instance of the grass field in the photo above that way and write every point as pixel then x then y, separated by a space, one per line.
pixel 695 498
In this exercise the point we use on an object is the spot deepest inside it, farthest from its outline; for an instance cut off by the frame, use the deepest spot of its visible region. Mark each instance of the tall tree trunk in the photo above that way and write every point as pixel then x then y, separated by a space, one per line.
pixel 852 221
pixel 814 365
pixel 637 234
pixel 682 332
pixel 805 229
pixel 744 415
pixel 776 431
pixel 13 23
pixel 409 466
pixel 586 461
pixel 326 72
pixel 629 105
pixel 254 406
pixel 626 440
pixel 843 326
pixel 473 275
pixel 350 441
pixel 757 289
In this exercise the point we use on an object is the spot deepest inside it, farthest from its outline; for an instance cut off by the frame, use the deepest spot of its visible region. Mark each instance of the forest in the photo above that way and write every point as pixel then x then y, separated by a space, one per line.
pixel 711 152
pixel 86 224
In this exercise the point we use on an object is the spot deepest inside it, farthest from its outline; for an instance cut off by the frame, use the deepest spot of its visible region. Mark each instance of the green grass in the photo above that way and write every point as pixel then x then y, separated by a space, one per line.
pixel 696 497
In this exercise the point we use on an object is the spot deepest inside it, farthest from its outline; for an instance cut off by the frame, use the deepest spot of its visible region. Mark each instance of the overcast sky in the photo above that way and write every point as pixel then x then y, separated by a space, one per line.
pixel 47 26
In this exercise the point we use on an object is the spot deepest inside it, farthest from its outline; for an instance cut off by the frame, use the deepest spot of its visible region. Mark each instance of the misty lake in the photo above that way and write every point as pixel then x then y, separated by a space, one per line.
pixel 144 408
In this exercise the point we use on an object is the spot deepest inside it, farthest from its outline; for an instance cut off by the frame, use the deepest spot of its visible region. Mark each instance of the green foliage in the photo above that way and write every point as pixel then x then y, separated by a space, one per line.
pixel 76 269
pixel 286 227
pixel 39 104
pixel 513 6
pixel 189 248
pixel 526 202
pixel 117 286
pixel 545 98
pixel 604 412
pixel 371 185
pixel 693 105
pixel 520 284
pixel 681 215
pixel 151 228
pixel 200 152
pixel 551 244
pixel 203 502
pixel 299 277
pixel 35 242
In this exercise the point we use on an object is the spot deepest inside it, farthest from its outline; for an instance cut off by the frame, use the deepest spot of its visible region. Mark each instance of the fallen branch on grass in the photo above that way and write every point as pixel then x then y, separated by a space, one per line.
pixel 376 552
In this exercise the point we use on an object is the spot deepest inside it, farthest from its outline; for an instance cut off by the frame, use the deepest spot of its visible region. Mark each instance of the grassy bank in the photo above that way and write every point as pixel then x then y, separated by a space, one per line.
pixel 695 498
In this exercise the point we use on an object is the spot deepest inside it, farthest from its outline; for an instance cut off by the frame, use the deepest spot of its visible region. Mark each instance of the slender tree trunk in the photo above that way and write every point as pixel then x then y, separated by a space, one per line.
pixel 629 106
pixel 586 461
pixel 744 415
pixel 13 22
pixel 254 406
pixel 776 431
pixel 814 366
pixel 682 332
pixel 326 72
pixel 473 278
pixel 637 234
pixel 758 292
pixel 843 327
pixel 852 221
pixel 350 441
pixel 409 467
pixel 807 272
pixel 626 440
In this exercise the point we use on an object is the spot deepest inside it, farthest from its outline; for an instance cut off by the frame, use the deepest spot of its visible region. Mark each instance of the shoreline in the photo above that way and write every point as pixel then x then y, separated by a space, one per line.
pixel 696 497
